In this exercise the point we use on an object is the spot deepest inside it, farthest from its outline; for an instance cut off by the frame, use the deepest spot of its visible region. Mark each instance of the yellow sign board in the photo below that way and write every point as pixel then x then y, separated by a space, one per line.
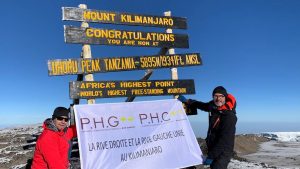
pixel 113 64
pixel 89 15
pixel 104 89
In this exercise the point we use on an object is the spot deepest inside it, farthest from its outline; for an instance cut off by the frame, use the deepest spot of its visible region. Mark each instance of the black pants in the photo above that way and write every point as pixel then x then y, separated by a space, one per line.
pixel 222 161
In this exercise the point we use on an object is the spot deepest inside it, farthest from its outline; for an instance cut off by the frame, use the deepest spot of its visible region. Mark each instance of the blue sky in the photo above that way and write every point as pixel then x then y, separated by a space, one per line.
pixel 251 47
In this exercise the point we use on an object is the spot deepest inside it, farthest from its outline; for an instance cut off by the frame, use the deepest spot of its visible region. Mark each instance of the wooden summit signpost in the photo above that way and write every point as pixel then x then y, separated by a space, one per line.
pixel 86 65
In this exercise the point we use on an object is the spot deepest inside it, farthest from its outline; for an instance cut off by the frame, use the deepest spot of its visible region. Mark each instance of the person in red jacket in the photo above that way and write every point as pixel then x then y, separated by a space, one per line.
pixel 52 146
pixel 222 126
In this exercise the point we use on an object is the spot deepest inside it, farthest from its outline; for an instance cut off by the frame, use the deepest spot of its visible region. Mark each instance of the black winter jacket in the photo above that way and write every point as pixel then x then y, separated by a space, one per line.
pixel 221 131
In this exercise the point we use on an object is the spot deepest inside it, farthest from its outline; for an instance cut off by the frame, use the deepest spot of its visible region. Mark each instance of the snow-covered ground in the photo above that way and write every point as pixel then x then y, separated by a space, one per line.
pixel 283 151
pixel 27 129
pixel 12 140
pixel 235 164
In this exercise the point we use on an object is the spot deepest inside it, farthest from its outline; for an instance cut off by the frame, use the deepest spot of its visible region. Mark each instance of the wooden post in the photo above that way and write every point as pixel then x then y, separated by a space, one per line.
pixel 171 51
pixel 86 53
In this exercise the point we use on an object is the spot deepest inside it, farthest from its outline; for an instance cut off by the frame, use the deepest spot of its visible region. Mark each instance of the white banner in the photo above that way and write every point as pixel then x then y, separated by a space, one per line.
pixel 148 135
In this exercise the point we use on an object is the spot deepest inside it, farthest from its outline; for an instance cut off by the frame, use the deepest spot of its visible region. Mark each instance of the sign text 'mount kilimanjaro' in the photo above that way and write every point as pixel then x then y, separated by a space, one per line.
pixel 112 64
pixel 88 15
pixel 124 37
pixel 105 89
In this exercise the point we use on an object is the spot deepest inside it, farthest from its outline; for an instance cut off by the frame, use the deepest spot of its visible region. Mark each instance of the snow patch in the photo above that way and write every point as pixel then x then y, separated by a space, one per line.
pixel 4 160
pixel 23 152
pixel 283 136
pixel 18 166
pixel 235 164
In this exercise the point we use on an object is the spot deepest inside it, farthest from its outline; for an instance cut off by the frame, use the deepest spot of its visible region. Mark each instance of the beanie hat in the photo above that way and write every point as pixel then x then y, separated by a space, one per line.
pixel 61 111
pixel 221 90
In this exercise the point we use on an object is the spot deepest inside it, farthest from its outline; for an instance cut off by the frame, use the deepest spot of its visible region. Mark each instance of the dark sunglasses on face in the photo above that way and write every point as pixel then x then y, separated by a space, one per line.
pixel 62 118
pixel 218 96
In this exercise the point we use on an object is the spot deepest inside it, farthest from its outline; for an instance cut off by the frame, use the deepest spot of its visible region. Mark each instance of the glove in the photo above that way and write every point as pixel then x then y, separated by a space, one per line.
pixel 208 161
pixel 182 98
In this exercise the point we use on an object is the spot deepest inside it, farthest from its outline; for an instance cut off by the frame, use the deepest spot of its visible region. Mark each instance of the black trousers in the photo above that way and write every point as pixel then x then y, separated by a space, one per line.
pixel 222 161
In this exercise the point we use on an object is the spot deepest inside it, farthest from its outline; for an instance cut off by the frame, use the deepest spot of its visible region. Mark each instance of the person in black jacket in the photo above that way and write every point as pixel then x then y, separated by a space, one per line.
pixel 221 130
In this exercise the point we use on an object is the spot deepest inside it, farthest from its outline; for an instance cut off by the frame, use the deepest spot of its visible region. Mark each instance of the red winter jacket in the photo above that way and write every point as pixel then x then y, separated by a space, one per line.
pixel 52 147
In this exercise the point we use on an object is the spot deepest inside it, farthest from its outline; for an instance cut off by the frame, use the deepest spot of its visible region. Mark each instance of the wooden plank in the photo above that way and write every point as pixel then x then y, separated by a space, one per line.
pixel 114 64
pixel 100 16
pixel 107 89
pixel 124 38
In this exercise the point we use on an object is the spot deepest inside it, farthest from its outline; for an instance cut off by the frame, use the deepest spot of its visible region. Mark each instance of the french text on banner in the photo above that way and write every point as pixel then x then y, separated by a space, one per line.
pixel 126 135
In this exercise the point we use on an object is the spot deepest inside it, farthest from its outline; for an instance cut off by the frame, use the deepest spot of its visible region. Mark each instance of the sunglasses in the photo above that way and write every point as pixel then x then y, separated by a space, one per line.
pixel 218 96
pixel 62 118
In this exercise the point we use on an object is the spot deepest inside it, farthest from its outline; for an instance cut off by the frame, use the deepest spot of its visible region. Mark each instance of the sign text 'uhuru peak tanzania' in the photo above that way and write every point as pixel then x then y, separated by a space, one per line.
pixel 112 64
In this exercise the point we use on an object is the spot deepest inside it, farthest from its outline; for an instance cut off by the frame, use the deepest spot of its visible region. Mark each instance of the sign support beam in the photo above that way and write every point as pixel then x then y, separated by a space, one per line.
pixel 86 53
pixel 171 51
